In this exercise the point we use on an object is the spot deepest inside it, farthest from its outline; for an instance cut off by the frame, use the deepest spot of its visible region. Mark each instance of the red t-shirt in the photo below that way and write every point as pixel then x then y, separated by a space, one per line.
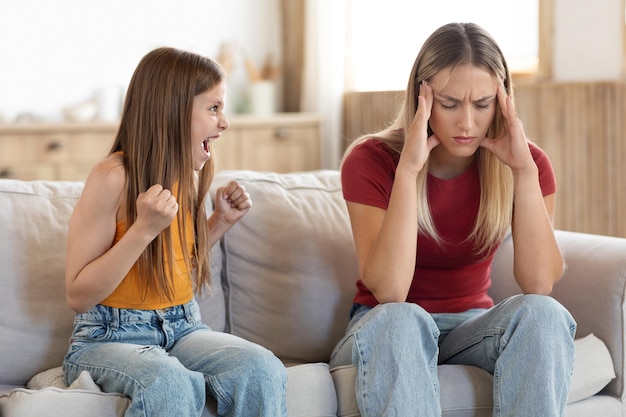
pixel 449 278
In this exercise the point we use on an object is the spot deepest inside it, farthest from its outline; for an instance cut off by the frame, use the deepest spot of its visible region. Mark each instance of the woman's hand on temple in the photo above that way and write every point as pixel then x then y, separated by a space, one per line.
pixel 417 144
pixel 511 146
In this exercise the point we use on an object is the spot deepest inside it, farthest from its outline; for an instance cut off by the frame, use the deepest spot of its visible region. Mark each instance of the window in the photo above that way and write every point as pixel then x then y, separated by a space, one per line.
pixel 384 38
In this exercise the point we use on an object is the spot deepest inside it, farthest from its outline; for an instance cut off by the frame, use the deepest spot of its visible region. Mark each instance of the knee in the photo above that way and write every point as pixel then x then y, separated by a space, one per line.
pixel 403 315
pixel 170 375
pixel 544 312
pixel 402 323
pixel 165 386
pixel 260 364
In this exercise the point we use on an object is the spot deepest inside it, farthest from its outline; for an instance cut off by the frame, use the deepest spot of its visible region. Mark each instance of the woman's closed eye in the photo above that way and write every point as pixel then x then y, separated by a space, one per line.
pixel 485 103
pixel 482 105
pixel 447 104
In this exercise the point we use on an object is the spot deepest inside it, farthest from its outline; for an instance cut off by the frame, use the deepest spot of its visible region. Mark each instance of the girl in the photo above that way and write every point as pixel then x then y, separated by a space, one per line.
pixel 138 248
pixel 430 198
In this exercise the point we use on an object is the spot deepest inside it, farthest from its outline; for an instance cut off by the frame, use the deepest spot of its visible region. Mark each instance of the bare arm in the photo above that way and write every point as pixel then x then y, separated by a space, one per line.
pixel 386 241
pixel 94 268
pixel 232 203
pixel 538 262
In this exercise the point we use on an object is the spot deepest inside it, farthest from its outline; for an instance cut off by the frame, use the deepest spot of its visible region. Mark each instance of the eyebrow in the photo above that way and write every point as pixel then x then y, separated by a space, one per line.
pixel 213 102
pixel 456 100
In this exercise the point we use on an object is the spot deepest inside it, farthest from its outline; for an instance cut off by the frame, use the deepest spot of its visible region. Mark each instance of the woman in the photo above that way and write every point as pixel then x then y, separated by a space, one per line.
pixel 138 248
pixel 430 199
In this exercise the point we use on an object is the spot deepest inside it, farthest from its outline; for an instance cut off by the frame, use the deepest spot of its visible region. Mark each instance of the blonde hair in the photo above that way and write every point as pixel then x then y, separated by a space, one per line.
pixel 155 139
pixel 449 46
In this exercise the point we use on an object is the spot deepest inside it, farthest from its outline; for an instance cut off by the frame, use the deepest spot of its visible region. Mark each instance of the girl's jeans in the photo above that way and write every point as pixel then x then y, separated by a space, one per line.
pixel 167 361
pixel 526 342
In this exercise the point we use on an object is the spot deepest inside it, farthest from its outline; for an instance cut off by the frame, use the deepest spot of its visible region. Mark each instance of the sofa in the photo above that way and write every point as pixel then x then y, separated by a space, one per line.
pixel 283 277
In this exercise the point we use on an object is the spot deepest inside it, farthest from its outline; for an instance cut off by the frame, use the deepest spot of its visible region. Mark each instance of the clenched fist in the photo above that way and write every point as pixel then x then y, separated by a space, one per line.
pixel 156 209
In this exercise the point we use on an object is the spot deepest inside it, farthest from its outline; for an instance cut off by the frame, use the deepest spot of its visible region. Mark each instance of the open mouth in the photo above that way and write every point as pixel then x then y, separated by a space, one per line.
pixel 206 144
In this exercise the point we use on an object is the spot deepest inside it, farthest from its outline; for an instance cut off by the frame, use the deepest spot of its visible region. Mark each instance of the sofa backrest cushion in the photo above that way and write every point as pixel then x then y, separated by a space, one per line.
pixel 289 267
pixel 36 322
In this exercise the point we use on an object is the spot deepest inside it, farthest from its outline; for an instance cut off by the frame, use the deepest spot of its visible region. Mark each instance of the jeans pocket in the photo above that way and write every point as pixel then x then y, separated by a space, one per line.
pixel 91 332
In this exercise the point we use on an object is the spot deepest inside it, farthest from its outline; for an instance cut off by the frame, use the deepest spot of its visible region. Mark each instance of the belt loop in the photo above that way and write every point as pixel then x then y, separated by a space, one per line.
pixel 115 318
pixel 188 312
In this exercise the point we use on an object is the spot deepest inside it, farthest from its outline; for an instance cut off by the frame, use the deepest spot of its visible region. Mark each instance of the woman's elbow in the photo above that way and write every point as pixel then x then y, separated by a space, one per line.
pixel 543 282
pixel 388 286
pixel 537 289
pixel 390 294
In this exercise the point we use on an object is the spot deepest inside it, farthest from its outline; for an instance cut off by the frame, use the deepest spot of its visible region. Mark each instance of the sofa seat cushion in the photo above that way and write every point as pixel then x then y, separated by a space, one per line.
pixel 310 391
pixel 82 398
pixel 468 391
pixel 56 402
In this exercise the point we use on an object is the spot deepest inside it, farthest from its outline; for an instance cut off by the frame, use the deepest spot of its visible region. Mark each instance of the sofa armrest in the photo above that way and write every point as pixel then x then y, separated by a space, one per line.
pixel 592 289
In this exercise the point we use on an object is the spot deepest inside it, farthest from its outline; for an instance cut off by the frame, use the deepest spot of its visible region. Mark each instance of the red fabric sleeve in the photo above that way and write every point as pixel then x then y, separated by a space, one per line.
pixel 547 180
pixel 368 172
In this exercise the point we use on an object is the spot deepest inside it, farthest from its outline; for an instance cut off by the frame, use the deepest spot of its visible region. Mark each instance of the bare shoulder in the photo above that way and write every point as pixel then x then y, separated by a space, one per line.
pixel 105 185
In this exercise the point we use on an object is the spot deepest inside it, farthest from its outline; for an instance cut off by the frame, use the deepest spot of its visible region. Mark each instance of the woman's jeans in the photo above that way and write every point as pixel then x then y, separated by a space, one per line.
pixel 526 342
pixel 167 362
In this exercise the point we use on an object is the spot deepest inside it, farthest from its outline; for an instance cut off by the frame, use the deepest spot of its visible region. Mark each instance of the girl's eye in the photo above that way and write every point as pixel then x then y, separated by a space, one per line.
pixel 482 105
pixel 214 108
pixel 448 106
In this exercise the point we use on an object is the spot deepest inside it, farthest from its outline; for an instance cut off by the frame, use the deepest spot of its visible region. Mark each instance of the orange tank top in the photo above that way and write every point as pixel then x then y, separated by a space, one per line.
pixel 133 292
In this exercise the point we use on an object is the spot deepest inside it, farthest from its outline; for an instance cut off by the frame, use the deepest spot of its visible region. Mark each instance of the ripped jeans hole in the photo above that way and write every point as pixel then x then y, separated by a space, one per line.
pixel 144 349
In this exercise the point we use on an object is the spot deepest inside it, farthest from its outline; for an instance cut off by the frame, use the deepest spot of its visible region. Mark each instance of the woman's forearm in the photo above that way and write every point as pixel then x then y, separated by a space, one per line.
pixel 390 264
pixel 538 263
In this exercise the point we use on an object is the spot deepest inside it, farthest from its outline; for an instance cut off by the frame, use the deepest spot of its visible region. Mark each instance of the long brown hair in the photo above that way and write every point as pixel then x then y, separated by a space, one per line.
pixel 449 46
pixel 155 139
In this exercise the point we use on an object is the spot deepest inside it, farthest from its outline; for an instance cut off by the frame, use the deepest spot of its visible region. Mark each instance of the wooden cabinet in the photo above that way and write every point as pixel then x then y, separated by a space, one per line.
pixel 53 151
pixel 281 143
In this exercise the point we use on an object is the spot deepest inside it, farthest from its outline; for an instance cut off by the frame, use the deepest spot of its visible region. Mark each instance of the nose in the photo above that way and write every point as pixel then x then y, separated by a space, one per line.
pixel 223 122
pixel 464 121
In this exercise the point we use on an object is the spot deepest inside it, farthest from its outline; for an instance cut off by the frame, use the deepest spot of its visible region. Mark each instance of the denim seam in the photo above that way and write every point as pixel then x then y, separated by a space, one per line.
pixel 216 388
pixel 361 376
pixel 466 344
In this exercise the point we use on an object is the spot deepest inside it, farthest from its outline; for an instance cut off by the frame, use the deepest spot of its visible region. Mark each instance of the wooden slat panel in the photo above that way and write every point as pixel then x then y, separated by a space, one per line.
pixel 367 112
pixel 581 127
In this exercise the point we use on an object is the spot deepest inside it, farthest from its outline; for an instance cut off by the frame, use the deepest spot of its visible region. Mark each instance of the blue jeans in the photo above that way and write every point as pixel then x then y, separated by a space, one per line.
pixel 526 342
pixel 168 361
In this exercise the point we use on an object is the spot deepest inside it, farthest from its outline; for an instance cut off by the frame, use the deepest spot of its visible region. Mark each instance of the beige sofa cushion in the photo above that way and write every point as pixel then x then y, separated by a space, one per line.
pixel 33 228
pixel 290 268
pixel 58 402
